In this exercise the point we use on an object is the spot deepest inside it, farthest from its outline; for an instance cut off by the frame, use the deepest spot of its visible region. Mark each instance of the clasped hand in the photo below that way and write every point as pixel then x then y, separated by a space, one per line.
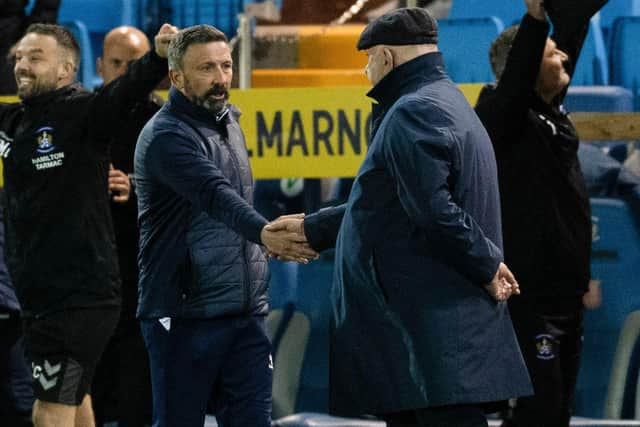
pixel 503 285
pixel 285 239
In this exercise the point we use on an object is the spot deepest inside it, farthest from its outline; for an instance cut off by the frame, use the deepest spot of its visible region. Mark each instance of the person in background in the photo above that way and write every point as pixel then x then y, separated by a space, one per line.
pixel 607 177
pixel 545 204
pixel 16 390
pixel 14 20
pixel 122 384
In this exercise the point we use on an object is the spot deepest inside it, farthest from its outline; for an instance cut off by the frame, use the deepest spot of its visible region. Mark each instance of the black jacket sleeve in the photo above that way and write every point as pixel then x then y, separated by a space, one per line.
pixel 321 228
pixel 113 101
pixel 44 11
pixel 504 110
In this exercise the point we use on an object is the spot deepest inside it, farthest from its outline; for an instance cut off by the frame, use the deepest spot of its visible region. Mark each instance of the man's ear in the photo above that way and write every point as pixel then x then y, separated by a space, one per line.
pixel 66 71
pixel 177 79
pixel 388 58
pixel 99 66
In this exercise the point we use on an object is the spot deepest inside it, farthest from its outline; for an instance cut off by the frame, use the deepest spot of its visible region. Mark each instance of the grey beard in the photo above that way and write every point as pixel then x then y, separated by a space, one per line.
pixel 212 105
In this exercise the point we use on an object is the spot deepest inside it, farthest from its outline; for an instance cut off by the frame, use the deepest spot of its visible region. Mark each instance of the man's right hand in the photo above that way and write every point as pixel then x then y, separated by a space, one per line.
pixel 503 285
pixel 286 241
pixel 161 41
pixel 119 185
pixel 572 13
pixel 536 9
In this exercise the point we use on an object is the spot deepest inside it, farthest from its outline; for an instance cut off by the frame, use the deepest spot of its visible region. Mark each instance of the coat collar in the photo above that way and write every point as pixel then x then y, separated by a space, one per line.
pixel 182 103
pixel 407 78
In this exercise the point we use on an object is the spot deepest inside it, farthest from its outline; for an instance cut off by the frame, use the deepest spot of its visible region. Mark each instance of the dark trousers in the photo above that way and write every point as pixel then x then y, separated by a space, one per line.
pixel 443 416
pixel 551 342
pixel 16 389
pixel 191 357
pixel 121 389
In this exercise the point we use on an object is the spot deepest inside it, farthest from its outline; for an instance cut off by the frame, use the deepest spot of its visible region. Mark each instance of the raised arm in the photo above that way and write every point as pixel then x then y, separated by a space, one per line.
pixel 114 100
pixel 504 110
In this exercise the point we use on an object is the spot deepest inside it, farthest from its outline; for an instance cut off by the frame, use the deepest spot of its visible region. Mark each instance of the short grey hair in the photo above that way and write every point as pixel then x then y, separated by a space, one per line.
pixel 500 48
pixel 188 36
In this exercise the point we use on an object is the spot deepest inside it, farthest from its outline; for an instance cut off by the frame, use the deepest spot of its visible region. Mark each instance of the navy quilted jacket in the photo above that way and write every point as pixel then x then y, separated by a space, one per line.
pixel 199 254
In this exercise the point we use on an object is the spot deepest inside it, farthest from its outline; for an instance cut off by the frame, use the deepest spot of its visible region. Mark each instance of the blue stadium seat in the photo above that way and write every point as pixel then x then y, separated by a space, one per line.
pixel 616 8
pixel 622 394
pixel 625 55
pixel 465 43
pixel 98 17
pixel 508 11
pixel 604 99
pixel 616 263
pixel 86 72
pixel 221 14
pixel 289 353
pixel 283 283
pixel 593 65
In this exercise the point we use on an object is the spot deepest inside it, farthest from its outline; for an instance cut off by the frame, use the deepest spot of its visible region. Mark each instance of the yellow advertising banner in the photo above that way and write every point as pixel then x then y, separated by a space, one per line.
pixel 306 132
pixel 309 132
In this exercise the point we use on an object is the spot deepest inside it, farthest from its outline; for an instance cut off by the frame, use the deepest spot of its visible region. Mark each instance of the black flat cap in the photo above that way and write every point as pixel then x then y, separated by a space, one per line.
pixel 408 25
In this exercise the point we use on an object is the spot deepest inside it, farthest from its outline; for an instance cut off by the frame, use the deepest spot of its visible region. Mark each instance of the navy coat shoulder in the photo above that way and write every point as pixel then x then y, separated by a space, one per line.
pixel 413 326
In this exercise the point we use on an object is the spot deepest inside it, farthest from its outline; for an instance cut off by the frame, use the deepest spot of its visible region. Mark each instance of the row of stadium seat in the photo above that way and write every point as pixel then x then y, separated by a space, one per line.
pixel 102 15
pixel 511 11
pixel 90 20
pixel 465 41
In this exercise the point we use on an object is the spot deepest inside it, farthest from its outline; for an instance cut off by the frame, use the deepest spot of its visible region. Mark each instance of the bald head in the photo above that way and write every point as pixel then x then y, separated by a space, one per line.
pixel 121 46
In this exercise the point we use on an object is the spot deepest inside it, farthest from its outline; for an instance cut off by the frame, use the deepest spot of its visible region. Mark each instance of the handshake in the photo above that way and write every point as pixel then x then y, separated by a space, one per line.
pixel 285 239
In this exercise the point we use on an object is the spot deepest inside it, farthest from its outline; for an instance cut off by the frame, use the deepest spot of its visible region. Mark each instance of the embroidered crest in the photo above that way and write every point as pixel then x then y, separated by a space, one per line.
pixel 545 348
pixel 44 137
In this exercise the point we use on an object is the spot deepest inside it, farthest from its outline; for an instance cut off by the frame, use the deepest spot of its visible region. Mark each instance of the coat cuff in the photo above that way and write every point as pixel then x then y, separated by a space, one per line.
pixel 321 228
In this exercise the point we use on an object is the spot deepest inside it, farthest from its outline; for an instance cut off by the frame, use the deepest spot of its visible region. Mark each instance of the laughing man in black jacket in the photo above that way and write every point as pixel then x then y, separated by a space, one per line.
pixel 60 244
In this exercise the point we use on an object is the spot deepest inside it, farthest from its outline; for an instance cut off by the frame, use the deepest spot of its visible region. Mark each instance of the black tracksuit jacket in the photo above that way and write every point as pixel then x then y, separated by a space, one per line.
pixel 545 205
pixel 125 215
pixel 60 245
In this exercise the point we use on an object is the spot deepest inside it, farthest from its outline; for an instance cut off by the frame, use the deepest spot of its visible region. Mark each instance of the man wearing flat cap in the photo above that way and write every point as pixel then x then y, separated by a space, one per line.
pixel 421 335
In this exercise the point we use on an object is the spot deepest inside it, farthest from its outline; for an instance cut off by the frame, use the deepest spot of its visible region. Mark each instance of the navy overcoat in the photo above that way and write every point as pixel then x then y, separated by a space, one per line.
pixel 420 236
